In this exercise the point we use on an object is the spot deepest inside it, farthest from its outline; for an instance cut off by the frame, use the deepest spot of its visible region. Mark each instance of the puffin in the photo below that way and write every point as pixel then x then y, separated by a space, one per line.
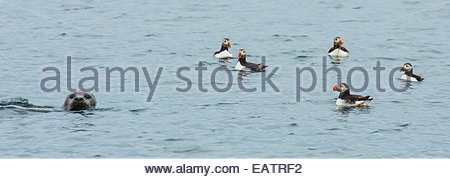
pixel 338 50
pixel 346 99
pixel 409 75
pixel 223 52
pixel 243 65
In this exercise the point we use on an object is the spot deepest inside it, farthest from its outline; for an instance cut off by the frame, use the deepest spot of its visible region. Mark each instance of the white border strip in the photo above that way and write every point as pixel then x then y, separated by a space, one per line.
pixel 311 168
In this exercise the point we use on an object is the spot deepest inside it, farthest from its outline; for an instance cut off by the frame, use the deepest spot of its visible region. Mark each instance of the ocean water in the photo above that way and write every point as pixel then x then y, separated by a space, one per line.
pixel 233 124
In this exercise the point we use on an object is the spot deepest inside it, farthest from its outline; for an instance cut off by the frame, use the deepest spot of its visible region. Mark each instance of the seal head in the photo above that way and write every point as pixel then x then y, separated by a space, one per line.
pixel 79 101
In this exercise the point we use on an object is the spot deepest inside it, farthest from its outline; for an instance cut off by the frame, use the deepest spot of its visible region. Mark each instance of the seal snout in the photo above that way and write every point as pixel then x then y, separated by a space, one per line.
pixel 78 100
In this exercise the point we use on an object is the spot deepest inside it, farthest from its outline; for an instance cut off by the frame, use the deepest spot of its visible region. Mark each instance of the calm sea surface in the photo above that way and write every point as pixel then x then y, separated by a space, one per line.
pixel 232 124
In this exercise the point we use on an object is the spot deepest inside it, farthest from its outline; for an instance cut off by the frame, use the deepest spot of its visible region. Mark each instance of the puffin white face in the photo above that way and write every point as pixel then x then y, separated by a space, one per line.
pixel 241 53
pixel 406 67
pixel 341 88
pixel 338 40
pixel 226 43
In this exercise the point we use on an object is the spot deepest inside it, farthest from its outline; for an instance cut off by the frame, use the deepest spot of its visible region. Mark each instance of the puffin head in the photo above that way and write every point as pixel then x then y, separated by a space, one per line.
pixel 406 67
pixel 341 87
pixel 226 42
pixel 338 41
pixel 242 53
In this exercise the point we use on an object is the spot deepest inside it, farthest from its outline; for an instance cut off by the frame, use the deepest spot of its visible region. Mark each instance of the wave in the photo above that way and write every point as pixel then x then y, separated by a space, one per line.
pixel 22 102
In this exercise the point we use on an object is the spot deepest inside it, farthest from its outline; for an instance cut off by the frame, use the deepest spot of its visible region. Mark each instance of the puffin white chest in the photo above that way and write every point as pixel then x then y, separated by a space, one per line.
pixel 223 54
pixel 239 66
pixel 344 103
pixel 338 53
pixel 408 78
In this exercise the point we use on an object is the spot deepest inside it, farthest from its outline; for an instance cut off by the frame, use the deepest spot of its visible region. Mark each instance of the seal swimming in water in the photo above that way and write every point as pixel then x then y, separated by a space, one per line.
pixel 79 101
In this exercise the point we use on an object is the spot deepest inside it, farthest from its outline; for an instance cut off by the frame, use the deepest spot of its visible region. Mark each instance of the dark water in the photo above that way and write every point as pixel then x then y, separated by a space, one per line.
pixel 233 124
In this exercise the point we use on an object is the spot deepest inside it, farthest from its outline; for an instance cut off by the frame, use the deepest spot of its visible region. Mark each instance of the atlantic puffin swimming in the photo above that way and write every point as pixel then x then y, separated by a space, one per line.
pixel 409 76
pixel 223 52
pixel 346 99
pixel 243 65
pixel 338 50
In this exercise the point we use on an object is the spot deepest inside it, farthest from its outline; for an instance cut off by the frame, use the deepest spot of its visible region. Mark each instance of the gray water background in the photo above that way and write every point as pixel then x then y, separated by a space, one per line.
pixel 234 124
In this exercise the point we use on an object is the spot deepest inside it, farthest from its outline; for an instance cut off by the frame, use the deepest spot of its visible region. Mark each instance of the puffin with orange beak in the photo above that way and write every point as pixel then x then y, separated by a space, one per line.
pixel 346 99
pixel 243 65
pixel 409 75
pixel 338 50
pixel 223 52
